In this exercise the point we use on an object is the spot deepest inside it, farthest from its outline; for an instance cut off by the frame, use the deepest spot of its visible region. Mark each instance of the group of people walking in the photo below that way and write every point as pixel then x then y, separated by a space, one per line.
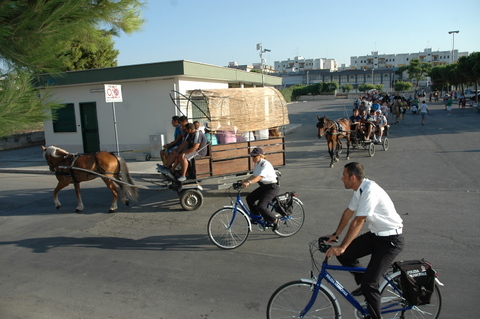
pixel 388 109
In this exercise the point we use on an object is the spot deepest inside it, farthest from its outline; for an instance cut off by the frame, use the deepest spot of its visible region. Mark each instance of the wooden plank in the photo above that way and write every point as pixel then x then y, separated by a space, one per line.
pixel 206 175
pixel 232 166
pixel 273 148
pixel 234 153
pixel 230 146
pixel 202 166
pixel 277 159
pixel 271 141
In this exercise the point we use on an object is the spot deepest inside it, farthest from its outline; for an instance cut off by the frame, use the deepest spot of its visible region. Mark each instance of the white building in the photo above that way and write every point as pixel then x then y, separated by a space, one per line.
pixel 86 123
pixel 300 64
pixel 376 61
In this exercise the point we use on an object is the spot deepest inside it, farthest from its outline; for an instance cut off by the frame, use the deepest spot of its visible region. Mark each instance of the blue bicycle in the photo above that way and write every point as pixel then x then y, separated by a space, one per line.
pixel 310 298
pixel 229 227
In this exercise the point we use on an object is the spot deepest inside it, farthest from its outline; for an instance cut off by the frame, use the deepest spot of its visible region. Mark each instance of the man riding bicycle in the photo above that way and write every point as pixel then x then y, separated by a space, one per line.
pixel 370 204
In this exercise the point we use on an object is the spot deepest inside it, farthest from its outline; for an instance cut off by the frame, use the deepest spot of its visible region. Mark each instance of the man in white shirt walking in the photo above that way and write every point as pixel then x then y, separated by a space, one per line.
pixel 423 112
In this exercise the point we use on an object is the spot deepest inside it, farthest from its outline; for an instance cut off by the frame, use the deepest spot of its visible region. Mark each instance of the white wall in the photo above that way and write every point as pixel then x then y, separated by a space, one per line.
pixel 146 110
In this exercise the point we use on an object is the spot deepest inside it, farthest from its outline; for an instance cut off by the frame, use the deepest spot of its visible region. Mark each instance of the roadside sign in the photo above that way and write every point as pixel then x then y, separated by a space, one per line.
pixel 113 93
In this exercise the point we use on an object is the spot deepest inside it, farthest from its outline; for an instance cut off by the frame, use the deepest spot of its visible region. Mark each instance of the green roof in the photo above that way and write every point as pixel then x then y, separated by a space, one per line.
pixel 181 68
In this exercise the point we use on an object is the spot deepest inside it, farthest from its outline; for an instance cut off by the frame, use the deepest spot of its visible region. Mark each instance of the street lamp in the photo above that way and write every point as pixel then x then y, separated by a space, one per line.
pixel 262 61
pixel 453 43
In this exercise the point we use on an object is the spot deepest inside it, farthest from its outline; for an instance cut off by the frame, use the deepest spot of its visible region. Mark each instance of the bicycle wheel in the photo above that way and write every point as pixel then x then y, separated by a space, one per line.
pixel 225 233
pixel 291 298
pixel 391 299
pixel 290 225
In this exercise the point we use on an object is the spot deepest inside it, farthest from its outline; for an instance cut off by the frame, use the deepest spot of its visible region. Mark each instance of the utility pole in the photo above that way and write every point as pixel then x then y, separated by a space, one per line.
pixel 453 43
pixel 262 61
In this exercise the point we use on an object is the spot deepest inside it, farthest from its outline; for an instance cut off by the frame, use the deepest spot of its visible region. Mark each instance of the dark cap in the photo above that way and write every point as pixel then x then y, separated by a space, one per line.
pixel 256 151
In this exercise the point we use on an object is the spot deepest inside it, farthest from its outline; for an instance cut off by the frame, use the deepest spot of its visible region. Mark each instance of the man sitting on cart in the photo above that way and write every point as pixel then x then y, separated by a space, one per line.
pixel 178 123
pixel 195 145
pixel 381 123
pixel 368 124
pixel 355 120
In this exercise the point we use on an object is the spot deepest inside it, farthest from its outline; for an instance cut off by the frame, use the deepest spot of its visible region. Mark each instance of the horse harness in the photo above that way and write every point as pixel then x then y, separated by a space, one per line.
pixel 68 171
pixel 337 126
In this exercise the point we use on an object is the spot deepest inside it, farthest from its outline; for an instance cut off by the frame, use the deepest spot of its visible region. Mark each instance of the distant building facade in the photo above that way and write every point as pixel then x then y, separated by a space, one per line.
pixel 385 77
pixel 299 64
pixel 255 66
pixel 375 60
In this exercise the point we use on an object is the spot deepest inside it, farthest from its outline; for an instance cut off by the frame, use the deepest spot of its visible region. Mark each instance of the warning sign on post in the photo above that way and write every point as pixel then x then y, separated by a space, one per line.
pixel 113 93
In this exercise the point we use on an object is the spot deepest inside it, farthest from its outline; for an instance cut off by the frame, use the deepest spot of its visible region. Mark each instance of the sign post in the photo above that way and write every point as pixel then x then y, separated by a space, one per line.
pixel 113 93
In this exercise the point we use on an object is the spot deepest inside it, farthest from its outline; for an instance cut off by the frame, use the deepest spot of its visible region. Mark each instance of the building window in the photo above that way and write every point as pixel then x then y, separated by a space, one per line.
pixel 65 119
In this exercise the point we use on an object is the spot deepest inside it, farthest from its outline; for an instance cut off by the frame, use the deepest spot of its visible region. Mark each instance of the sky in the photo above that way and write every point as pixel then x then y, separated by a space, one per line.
pixel 217 32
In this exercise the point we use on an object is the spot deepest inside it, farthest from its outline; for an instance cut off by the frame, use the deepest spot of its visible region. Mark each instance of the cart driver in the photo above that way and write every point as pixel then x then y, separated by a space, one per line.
pixel 355 120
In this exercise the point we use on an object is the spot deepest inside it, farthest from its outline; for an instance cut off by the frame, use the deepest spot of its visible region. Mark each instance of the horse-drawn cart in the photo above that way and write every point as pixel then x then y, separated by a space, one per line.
pixel 246 118
pixel 335 130
pixel 246 115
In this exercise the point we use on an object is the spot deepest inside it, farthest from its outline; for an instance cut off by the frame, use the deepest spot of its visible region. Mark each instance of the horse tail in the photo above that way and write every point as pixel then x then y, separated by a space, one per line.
pixel 132 192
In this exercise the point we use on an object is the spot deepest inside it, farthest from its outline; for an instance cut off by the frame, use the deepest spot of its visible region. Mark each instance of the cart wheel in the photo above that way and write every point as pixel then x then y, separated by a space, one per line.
pixel 371 149
pixel 191 199
pixel 385 144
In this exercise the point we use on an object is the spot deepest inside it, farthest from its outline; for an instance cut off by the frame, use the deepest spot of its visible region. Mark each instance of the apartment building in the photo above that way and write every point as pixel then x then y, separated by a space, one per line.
pixel 376 61
pixel 300 64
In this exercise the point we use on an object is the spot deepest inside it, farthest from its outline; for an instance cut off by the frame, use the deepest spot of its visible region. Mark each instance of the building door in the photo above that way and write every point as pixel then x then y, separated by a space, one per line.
pixel 91 138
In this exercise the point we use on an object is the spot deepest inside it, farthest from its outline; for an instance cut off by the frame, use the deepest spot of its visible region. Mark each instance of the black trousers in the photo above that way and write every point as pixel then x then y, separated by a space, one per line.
pixel 264 195
pixel 384 250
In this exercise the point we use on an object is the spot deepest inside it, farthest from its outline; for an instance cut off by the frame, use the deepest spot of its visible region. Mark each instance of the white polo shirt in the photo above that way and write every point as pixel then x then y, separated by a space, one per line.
pixel 372 201
pixel 265 169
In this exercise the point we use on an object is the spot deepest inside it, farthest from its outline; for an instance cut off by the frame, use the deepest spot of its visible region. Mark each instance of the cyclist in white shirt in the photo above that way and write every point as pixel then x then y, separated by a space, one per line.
pixel 263 174
pixel 372 206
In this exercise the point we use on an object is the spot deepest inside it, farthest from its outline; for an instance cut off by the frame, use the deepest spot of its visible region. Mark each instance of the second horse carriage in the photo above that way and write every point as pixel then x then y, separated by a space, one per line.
pixel 336 130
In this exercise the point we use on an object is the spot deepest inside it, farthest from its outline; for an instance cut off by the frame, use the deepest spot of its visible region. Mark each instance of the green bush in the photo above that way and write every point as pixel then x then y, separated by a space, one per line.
pixel 290 94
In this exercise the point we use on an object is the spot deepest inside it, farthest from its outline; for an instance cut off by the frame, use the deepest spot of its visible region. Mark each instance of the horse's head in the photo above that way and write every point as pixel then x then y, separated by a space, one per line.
pixel 54 156
pixel 321 125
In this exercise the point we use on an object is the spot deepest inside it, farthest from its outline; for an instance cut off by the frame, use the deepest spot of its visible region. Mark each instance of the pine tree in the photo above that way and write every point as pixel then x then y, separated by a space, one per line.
pixel 39 36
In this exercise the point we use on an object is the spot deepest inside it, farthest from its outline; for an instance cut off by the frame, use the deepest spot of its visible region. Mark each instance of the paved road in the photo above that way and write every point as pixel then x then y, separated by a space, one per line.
pixel 154 260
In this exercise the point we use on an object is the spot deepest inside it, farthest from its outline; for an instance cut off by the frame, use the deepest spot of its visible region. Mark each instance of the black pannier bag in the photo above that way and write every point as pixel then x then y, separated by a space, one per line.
pixel 417 281
pixel 285 203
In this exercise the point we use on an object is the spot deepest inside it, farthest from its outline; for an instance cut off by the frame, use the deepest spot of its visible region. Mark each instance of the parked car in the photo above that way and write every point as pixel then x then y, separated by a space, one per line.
pixel 470 93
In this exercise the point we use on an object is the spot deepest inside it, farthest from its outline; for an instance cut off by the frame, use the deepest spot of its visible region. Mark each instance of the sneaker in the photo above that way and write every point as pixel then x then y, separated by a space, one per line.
pixel 275 225
pixel 357 292
pixel 182 178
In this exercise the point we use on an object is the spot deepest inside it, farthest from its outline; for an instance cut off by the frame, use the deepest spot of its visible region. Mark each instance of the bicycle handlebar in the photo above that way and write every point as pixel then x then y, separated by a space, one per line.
pixel 237 185
pixel 322 244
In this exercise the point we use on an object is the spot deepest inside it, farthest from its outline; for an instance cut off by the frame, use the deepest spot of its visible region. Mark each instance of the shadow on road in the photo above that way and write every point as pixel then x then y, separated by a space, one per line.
pixel 176 243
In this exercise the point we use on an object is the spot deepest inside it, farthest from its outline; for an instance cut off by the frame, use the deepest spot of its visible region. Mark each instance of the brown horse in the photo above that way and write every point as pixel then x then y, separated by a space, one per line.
pixel 334 131
pixel 72 168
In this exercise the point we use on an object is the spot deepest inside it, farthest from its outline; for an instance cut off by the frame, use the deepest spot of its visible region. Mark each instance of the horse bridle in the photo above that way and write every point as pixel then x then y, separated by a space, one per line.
pixel 65 157
pixel 332 125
